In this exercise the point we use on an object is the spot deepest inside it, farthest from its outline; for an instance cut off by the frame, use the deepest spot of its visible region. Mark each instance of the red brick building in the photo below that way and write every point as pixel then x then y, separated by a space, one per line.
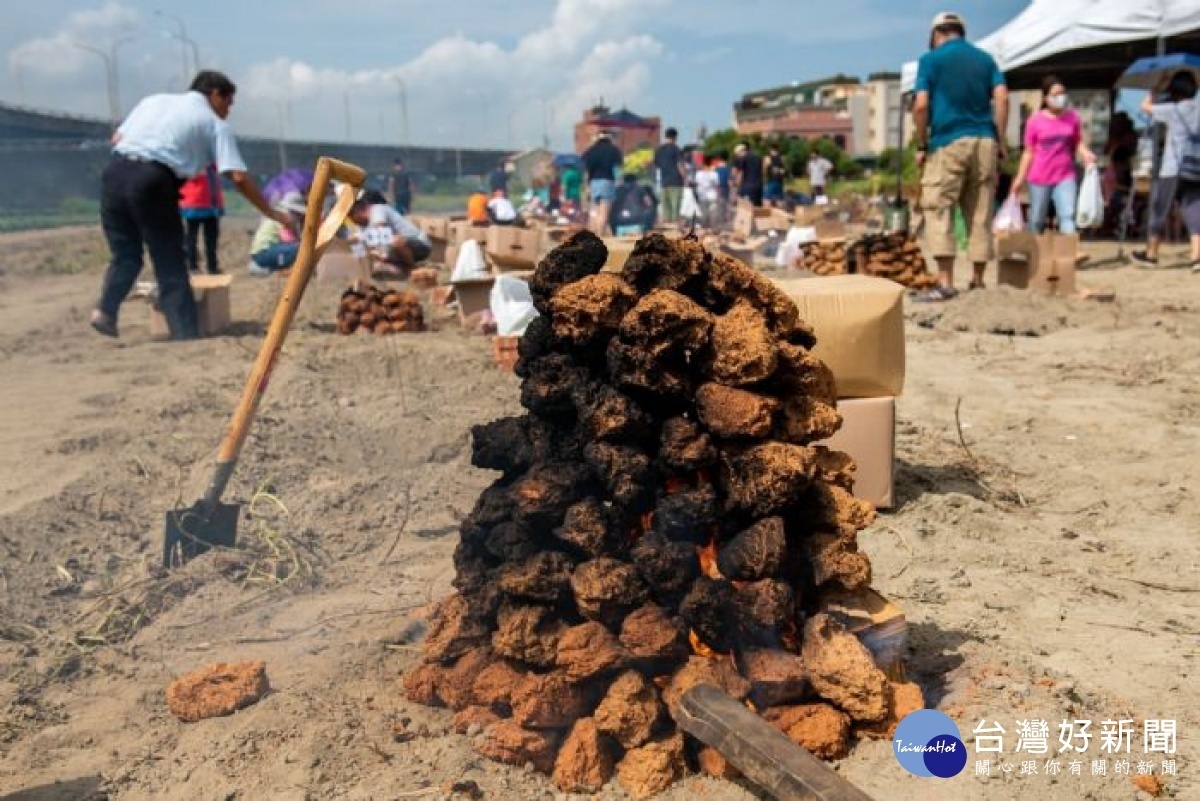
pixel 629 131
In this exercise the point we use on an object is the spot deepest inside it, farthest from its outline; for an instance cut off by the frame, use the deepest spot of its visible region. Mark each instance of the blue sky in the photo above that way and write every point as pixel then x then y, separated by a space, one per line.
pixel 478 73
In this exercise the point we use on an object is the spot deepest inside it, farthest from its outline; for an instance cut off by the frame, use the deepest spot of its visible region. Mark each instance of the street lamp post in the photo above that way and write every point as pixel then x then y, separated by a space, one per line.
pixel 113 112
pixel 111 76
pixel 184 41
pixel 403 87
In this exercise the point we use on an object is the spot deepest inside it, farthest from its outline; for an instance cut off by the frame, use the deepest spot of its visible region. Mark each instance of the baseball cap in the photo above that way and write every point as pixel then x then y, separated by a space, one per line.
pixel 948 18
pixel 293 202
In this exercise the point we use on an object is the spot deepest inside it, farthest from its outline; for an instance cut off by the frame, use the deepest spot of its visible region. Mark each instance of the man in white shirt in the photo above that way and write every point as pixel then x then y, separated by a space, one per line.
pixel 819 168
pixel 500 209
pixel 165 140
pixel 390 236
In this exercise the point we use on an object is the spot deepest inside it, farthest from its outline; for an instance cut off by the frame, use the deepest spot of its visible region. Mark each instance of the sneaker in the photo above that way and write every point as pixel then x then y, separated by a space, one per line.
pixel 103 324
pixel 255 269
pixel 1142 259
pixel 937 294
pixel 1196 266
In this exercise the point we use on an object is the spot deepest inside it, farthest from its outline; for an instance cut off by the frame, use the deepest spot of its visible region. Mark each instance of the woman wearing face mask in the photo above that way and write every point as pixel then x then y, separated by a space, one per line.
pixel 1052 140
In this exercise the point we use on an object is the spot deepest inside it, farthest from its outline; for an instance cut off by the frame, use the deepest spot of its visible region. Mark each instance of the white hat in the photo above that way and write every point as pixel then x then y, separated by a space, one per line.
pixel 948 18
pixel 293 202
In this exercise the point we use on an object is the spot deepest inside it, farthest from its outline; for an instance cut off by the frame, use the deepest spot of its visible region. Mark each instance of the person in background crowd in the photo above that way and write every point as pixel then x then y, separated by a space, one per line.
pixel 500 210
pixel 1120 149
pixel 202 206
pixel 775 169
pixel 602 160
pixel 708 193
pixel 275 246
pixel 668 160
pixel 400 187
pixel 724 186
pixel 165 140
pixel 477 208
pixel 498 178
pixel 393 240
pixel 634 208
pixel 748 174
pixel 819 169
pixel 1053 137
pixel 572 185
pixel 1180 112
pixel 961 103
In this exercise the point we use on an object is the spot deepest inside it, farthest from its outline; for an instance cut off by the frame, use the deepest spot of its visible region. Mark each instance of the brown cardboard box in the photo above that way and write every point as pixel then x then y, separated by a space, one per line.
pixel 436 228
pixel 512 248
pixel 462 230
pixel 743 220
pixel 1044 262
pixel 859 322
pixel 212 306
pixel 773 220
pixel 829 229
pixel 451 257
pixel 807 215
pixel 868 434
pixel 619 248
pixel 473 297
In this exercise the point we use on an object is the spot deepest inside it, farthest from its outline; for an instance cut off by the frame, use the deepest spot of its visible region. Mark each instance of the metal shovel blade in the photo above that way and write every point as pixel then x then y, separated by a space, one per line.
pixel 194 530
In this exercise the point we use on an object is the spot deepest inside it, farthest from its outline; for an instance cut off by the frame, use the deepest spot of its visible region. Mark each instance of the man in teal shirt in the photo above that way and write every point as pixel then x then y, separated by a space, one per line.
pixel 960 114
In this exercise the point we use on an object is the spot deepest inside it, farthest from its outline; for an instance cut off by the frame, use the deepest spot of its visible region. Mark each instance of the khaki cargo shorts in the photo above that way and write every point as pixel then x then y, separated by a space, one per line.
pixel 962 174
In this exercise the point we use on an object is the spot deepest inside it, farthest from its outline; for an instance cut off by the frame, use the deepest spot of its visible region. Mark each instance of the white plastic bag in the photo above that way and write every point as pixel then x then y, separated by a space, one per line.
pixel 689 207
pixel 1009 216
pixel 470 265
pixel 512 305
pixel 1089 211
pixel 789 251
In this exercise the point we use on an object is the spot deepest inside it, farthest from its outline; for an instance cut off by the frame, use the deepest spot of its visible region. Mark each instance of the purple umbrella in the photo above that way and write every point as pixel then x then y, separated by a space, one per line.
pixel 296 179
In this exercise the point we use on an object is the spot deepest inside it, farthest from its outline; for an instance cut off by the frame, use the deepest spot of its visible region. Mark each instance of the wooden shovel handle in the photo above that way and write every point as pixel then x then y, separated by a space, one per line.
pixel 317 234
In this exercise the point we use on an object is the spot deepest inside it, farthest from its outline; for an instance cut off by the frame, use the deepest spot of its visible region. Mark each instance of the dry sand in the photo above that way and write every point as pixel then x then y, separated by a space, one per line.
pixel 1047 562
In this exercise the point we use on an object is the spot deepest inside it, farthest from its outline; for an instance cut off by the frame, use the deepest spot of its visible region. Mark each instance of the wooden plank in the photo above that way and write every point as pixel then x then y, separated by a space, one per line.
pixel 760 751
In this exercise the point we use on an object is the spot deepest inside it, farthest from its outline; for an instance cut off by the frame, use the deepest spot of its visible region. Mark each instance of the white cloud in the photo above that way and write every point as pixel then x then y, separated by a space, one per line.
pixel 57 55
pixel 471 90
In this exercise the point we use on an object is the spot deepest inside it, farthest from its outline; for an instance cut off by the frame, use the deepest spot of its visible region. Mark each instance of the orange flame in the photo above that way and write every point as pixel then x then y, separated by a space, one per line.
pixel 699 647
pixel 708 559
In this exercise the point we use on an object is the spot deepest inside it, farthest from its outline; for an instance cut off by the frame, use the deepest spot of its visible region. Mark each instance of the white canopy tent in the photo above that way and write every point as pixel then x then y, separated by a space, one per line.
pixel 1087 43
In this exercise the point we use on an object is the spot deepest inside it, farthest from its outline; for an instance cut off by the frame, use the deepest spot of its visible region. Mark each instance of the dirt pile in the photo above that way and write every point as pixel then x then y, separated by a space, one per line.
pixel 381 312
pixel 897 257
pixel 662 520
pixel 219 689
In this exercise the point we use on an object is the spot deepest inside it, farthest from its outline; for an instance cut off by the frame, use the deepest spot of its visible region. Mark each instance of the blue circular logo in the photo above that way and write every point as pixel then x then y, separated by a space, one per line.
pixel 927 743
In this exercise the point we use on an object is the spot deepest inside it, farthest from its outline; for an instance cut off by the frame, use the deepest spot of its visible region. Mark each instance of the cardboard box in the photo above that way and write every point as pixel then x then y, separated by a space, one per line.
pixel 1045 262
pixel 619 248
pixel 451 257
pixel 743 220
pixel 772 220
pixel 436 228
pixel 868 435
pixel 512 248
pixel 807 215
pixel 473 297
pixel 462 230
pixel 212 306
pixel 859 322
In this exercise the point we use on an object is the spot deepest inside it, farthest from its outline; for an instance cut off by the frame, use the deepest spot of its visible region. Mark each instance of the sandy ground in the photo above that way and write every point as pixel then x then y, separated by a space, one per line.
pixel 1047 562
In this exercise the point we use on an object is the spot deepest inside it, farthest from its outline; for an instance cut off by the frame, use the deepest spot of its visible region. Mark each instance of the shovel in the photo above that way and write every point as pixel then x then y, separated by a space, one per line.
pixel 208 522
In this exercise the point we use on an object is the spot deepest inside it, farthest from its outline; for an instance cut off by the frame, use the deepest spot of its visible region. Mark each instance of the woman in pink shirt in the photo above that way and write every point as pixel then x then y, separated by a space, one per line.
pixel 1052 140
